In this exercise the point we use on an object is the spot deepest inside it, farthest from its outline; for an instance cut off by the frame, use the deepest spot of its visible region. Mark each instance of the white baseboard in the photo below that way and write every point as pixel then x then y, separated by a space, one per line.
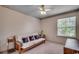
pixel 56 42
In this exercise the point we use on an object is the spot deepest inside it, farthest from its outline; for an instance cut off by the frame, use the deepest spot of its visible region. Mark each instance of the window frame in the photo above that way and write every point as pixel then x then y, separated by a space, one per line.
pixel 72 26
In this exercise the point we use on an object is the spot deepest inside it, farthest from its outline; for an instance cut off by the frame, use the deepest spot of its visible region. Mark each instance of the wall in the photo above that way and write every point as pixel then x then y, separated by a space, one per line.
pixel 49 26
pixel 15 23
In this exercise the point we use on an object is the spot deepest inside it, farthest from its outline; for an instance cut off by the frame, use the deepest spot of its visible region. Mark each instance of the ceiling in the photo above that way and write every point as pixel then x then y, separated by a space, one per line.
pixel 33 10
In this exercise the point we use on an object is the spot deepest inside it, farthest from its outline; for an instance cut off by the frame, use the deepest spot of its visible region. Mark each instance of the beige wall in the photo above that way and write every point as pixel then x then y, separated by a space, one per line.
pixel 49 26
pixel 12 22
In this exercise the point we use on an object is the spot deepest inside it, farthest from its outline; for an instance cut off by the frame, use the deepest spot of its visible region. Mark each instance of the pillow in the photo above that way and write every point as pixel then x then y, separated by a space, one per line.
pixel 25 39
pixel 36 36
pixel 31 38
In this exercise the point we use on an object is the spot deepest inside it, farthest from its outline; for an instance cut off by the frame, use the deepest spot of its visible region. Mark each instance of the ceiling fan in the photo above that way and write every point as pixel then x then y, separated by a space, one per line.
pixel 43 10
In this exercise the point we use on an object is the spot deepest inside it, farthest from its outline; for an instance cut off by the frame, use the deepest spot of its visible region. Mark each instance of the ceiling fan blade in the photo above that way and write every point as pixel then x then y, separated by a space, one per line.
pixel 47 9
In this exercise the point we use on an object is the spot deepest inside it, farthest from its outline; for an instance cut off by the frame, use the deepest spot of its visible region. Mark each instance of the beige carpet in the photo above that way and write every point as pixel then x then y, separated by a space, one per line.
pixel 45 48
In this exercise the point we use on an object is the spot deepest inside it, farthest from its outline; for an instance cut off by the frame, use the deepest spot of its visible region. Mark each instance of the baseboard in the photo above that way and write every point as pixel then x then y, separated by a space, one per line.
pixel 55 42
pixel 1 52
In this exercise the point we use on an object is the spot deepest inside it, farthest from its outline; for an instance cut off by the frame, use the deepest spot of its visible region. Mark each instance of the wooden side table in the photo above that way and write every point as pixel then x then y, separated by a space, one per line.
pixel 11 40
pixel 71 46
pixel 18 46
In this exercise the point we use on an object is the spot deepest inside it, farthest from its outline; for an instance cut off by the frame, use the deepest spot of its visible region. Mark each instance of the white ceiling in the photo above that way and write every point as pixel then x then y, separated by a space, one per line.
pixel 33 10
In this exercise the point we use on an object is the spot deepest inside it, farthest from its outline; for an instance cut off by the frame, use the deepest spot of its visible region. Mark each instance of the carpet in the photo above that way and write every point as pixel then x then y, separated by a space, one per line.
pixel 45 48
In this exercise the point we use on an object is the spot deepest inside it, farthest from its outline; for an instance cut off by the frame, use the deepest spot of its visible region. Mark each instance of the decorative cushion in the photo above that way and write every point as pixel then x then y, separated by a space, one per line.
pixel 25 39
pixel 41 36
pixel 31 38
pixel 36 36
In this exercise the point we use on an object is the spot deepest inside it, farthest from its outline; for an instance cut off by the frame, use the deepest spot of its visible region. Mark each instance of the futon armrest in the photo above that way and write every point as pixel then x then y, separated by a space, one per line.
pixel 19 43
pixel 18 46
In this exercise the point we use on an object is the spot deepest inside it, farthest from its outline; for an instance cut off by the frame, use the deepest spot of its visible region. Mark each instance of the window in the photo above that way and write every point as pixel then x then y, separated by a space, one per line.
pixel 66 27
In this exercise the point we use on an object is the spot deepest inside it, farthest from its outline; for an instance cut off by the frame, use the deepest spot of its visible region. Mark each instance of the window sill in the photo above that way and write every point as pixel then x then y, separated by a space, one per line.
pixel 66 37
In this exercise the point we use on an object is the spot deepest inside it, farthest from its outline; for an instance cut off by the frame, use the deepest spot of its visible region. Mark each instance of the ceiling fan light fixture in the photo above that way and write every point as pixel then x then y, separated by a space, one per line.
pixel 47 10
pixel 43 12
